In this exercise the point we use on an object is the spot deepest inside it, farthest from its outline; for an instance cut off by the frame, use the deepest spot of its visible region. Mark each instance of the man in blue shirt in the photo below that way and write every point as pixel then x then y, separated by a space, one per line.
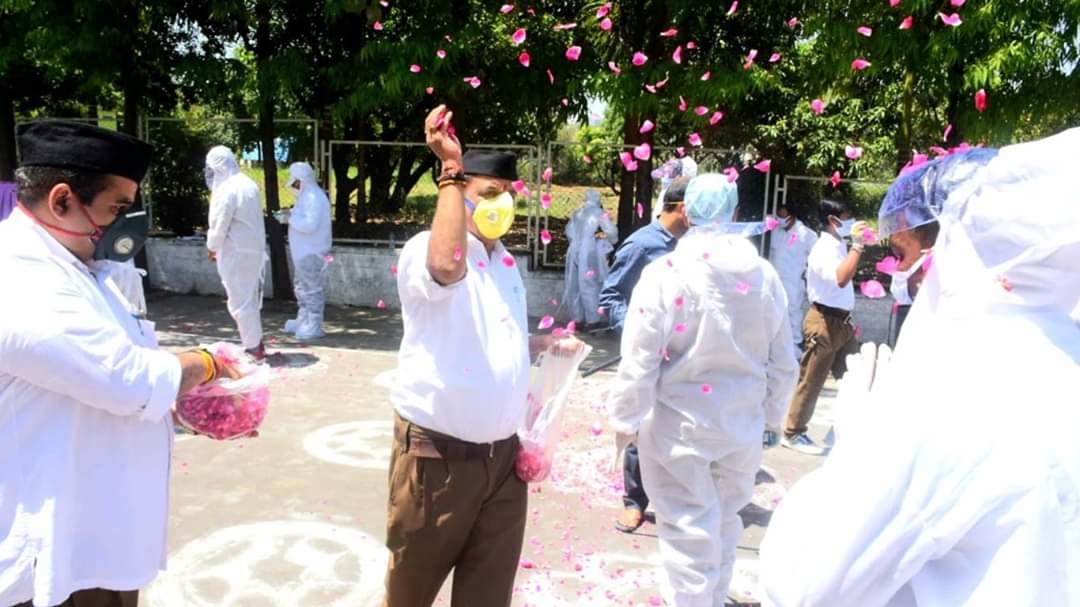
pixel 637 251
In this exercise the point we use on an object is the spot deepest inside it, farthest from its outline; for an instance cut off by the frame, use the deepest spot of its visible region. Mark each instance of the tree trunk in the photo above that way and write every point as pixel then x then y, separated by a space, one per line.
pixel 279 264
pixel 7 135
pixel 343 183
pixel 627 216
pixel 905 133
pixel 956 82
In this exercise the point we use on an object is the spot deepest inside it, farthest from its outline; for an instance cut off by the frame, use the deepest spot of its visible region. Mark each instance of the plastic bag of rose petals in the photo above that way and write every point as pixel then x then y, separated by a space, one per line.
pixel 548 392
pixel 228 408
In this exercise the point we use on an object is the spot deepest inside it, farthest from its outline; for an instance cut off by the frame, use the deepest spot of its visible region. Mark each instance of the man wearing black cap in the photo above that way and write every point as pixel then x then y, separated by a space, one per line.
pixel 85 394
pixel 462 382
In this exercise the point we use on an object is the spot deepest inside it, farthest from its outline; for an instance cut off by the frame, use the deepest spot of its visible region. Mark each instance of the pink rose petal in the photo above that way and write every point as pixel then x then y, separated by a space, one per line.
pixel 328 258
pixel 457 253
pixel 546 323
pixel 677 55
pixel 860 64
pixel 948 131
pixel 680 151
pixel 551 76
pixel 792 239
pixel 951 19
pixel 524 59
pixel 865 31
pixel 393 270
pixel 701 110
pixel 742 287
pixel 586 159
pixel 596 429
pixel 694 139
pixel 640 59
pixel 573 53
pixel 614 68
pixel 774 58
pixel 732 174
pixel 894 3
pixel 957 3
pixel 771 223
pixel 545 237
pixel 669 33
pixel 679 301
pixel 628 161
pixel 416 69
pixel 705 389
pixel 441 54
pixel 817 106
pixel 716 118
pixel 548 172
pixel 682 104
pixel 680 327
pixel 835 179
pixel 507 9
pixel 646 127
pixel 377 26
pixel 508 260
pixel 603 11
pixel 643 151
pixel 980 100
pixel 853 152
pixel 380 305
pixel 706 76
pixel 907 22
pixel 481 264
pixel 764 166
pixel 545 200
pixel 518 36
pixel 793 22
pixel 872 289
pixel 430 90
pixel 889 265
pixel 640 211
pixel 606 24
pixel 473 81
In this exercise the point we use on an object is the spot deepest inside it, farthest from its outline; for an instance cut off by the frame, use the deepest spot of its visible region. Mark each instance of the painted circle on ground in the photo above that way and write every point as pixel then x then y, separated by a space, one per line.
pixel 361 444
pixel 276 564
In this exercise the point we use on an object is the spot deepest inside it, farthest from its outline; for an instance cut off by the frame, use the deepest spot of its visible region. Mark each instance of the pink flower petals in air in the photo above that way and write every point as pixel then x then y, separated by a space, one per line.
pixel 328 258
pixel 473 81
pixel 596 429
pixel 481 264
pixel 734 7
pixel 380 304
pixel 669 33
pixel 980 100
pixel 775 57
pixel 682 104
pixel 792 239
pixel 416 69
pixel 628 161
pixel 701 110
pixel 889 265
pixel 865 31
pixel 643 151
pixel 706 76
pixel 507 9
pixel 457 253
pixel 694 139
pixel 519 186
pixel 750 59
pixel 614 68
pixel 742 287
pixel 716 118
pixel 545 200
pixel 853 152
pixel 951 20
pixel 551 76
pixel 817 106
pixel 640 59
pixel 793 22
pixel 835 179
pixel 640 211
pixel 546 323
pixel 680 327
pixel 677 55
pixel 872 289
pixel 524 59
pixel 771 223
pixel 732 174
pixel 430 90
pixel 586 159
pixel 508 260
pixel 679 301
pixel 894 3
pixel 441 54
pixel 603 11
pixel 705 389
pixel 606 25
pixel 565 26
pixel 907 22
pixel 548 172
pixel 545 237
pixel 573 53
pixel 868 236
pixel 377 26
pixel 590 274
pixel 764 166
pixel 646 127
pixel 518 36
pixel 527 564
pixel 948 131
pixel 860 64
pixel 393 270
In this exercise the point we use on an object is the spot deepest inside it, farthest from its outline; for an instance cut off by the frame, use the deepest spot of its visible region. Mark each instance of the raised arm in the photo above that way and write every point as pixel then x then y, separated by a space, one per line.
pixel 446 261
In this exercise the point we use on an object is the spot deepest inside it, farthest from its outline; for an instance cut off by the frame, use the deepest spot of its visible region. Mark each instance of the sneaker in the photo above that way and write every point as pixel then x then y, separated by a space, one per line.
pixel 803 444
pixel 290 325
pixel 258 352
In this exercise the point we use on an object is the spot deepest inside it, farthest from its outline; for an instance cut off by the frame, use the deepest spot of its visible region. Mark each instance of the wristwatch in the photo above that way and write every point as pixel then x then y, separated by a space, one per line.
pixel 456 177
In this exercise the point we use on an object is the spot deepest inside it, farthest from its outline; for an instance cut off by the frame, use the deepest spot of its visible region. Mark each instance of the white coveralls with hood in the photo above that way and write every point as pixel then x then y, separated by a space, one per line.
pixel 587 259
pixel 672 169
pixel 789 249
pixel 975 498
pixel 708 363
pixel 237 236
pixel 310 239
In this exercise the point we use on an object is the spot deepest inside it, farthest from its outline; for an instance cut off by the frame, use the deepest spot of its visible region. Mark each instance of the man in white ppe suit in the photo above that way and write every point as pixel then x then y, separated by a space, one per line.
pixel 789 249
pixel 592 237
pixel 975 500
pixel 236 239
pixel 708 363
pixel 310 239
pixel 667 174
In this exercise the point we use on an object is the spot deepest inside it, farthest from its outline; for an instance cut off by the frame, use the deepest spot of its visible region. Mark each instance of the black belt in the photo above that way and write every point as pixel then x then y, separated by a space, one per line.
pixel 832 312
pixel 427 443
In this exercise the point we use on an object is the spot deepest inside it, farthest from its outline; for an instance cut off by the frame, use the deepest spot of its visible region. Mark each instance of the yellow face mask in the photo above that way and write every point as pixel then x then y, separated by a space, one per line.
pixel 494 216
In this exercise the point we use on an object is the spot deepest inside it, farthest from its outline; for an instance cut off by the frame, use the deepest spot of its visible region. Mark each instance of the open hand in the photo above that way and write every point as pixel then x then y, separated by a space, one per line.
pixel 439 136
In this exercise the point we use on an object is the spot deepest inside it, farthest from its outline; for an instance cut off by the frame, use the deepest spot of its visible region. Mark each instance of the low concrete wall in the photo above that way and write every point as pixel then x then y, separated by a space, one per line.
pixel 361 276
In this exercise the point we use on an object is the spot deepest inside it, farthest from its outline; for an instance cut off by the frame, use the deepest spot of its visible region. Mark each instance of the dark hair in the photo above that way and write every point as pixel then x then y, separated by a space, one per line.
pixel 34 183
pixel 927 234
pixel 676 193
pixel 831 207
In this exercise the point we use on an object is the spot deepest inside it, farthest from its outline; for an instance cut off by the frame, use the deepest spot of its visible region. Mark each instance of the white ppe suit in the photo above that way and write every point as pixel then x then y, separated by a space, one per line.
pixel 310 240
pixel 672 169
pixel 707 364
pixel 128 281
pixel 237 235
pixel 975 498
pixel 587 259
pixel 788 251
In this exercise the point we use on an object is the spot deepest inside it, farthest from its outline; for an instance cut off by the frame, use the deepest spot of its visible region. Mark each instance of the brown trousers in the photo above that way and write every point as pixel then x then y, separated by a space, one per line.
pixel 452 510
pixel 96 597
pixel 829 341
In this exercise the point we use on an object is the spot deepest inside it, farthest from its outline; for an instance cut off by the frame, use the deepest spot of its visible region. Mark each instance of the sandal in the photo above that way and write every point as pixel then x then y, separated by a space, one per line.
pixel 629 520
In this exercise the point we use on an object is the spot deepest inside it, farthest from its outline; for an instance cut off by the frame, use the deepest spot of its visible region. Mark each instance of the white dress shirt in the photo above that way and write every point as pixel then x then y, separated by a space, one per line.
pixel 85 430
pixel 463 367
pixel 825 259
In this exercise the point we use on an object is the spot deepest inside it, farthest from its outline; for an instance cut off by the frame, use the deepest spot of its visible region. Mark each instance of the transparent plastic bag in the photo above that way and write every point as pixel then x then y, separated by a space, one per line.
pixel 228 408
pixel 548 392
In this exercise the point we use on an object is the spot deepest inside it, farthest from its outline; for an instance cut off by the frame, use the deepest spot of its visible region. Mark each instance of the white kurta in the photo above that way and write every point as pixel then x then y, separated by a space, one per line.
pixel 85 430
pixel 789 251
pixel 463 366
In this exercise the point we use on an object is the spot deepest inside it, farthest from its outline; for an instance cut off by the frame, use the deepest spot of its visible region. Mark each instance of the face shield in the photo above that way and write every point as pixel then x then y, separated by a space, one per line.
pixel 711 199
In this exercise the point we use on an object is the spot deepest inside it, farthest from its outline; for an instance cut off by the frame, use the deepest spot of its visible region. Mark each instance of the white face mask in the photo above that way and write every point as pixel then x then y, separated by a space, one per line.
pixel 845 227
pixel 899 286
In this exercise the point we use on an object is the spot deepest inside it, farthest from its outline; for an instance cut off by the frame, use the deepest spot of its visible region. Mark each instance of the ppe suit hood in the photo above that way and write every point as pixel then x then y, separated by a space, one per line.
pixel 710 199
pixel 222 163
pixel 302 172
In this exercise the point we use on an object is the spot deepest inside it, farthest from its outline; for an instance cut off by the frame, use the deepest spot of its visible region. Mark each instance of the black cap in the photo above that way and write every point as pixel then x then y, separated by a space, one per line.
pixel 491 164
pixel 75 145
